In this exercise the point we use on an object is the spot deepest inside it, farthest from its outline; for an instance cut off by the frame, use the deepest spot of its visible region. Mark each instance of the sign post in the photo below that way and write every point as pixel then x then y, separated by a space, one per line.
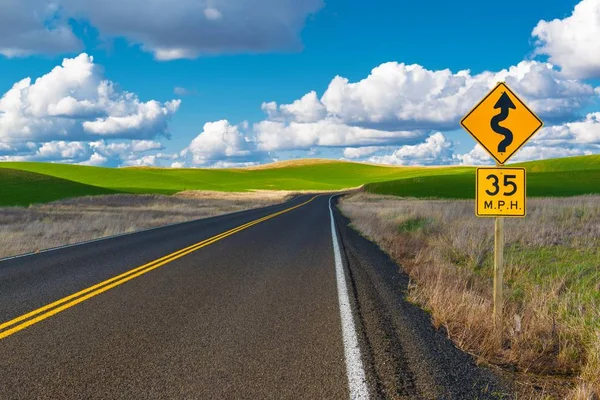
pixel 501 123
pixel 498 271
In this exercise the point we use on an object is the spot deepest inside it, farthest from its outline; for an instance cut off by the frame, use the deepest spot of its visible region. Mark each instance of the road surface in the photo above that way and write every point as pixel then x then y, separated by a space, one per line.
pixel 280 302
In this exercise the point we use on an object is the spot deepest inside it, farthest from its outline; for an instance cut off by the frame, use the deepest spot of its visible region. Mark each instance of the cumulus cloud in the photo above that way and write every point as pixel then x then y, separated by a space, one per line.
pixel 230 164
pixel 221 142
pixel 360 152
pixel 396 96
pixel 74 102
pixel 34 26
pixel 477 156
pixel 531 152
pixel 436 149
pixel 138 146
pixel 87 153
pixel 572 42
pixel 569 139
pixel 96 160
pixel 275 135
pixel 307 109
pixel 585 132
pixel 399 104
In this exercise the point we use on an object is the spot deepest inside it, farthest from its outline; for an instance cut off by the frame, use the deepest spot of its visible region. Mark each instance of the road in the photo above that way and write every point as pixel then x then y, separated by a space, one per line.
pixel 280 302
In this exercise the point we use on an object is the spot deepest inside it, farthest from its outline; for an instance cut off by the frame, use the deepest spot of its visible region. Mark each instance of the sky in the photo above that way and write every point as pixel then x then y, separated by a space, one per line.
pixel 230 83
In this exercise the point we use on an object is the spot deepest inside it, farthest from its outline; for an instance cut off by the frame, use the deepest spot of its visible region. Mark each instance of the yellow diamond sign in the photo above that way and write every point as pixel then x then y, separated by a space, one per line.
pixel 501 123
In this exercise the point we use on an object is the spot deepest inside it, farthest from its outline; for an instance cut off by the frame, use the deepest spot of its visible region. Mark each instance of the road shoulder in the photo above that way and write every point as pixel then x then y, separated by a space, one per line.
pixel 406 357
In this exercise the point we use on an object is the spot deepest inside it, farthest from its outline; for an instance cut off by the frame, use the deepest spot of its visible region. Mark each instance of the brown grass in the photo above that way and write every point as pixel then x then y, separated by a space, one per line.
pixel 34 228
pixel 552 279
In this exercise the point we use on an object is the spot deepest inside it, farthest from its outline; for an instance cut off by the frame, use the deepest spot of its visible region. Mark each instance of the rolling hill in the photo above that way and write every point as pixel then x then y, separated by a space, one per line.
pixel 27 183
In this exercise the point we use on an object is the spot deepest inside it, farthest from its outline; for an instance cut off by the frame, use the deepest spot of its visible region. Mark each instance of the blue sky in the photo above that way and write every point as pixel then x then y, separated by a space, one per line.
pixel 225 73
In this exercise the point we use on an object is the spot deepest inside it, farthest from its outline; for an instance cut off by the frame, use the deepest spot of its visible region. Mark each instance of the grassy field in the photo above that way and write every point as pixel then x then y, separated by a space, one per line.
pixel 20 180
pixel 27 183
pixel 561 177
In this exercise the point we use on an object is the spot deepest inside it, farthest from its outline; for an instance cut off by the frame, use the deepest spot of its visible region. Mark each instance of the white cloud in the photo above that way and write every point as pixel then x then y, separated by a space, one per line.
pixel 229 164
pixel 58 151
pixel 139 146
pixel 96 160
pixel 583 132
pixel 569 139
pixel 275 135
pixel 99 152
pixel 400 96
pixel 530 152
pixel 181 91
pixel 533 152
pixel 63 150
pixel 74 102
pixel 306 109
pixel 34 26
pixel 477 156
pixel 436 150
pixel 572 42
pixel 212 14
pixel 399 104
pixel 220 141
pixel 144 161
pixel 360 152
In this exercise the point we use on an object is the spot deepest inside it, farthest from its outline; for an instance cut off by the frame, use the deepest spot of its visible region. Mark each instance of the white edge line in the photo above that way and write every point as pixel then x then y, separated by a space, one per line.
pixel 357 384
pixel 66 246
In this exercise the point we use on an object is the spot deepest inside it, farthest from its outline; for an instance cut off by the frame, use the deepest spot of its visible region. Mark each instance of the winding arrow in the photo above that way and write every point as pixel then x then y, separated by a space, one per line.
pixel 504 104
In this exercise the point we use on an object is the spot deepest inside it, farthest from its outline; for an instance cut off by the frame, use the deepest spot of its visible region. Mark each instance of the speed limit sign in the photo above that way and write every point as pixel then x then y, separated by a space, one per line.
pixel 500 192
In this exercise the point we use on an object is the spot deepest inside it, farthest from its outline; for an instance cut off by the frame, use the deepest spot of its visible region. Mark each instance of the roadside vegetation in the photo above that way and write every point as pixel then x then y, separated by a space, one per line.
pixel 34 228
pixel 552 281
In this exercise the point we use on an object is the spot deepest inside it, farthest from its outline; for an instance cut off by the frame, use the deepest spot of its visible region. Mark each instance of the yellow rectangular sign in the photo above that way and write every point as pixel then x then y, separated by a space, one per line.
pixel 500 192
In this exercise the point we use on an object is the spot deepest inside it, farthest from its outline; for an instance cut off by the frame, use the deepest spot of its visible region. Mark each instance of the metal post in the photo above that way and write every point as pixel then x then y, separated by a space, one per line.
pixel 498 274
pixel 498 271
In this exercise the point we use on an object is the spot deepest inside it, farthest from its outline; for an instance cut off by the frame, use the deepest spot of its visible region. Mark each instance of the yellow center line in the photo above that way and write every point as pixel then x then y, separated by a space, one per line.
pixel 55 307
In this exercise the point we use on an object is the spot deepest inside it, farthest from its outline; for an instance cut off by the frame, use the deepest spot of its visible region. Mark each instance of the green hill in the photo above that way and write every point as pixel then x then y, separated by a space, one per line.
pixel 558 177
pixel 581 163
pixel 329 175
pixel 19 187
pixel 27 183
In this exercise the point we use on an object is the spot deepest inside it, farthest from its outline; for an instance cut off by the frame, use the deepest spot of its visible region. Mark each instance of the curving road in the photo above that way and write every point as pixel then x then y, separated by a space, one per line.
pixel 280 302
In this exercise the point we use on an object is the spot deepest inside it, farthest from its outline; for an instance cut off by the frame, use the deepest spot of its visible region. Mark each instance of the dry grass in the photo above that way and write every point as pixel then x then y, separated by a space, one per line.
pixel 30 229
pixel 552 279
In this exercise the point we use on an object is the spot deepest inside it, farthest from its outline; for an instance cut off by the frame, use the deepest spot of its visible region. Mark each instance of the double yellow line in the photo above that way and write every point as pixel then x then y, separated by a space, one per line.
pixel 17 324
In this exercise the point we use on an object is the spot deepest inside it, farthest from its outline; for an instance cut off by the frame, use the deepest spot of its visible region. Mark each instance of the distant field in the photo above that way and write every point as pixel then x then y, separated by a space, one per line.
pixel 560 177
pixel 462 186
pixel 27 183
pixel 20 181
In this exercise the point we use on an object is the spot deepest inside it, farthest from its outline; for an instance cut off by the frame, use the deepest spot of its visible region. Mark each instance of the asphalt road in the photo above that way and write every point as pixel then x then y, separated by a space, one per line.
pixel 276 308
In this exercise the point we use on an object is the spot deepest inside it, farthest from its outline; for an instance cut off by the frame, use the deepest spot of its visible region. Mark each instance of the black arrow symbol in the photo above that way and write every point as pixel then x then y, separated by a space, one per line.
pixel 504 104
